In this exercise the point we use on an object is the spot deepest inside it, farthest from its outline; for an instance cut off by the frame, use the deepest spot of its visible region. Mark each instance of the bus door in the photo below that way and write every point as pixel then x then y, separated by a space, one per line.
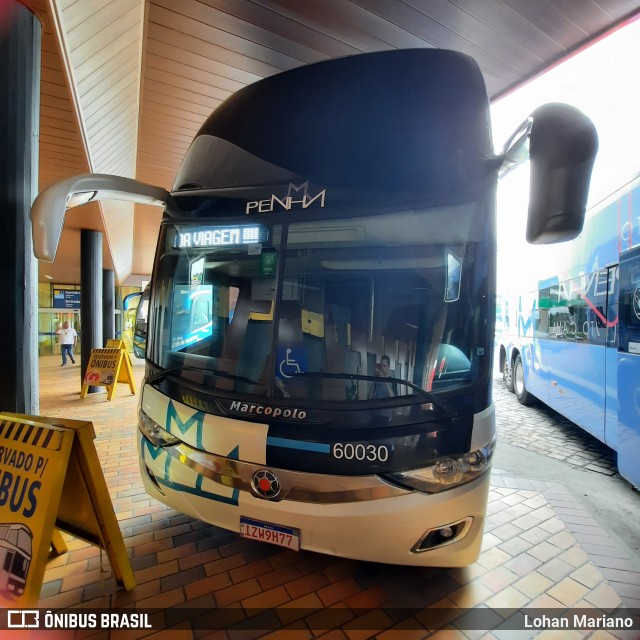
pixel 531 319
pixel 628 379
pixel 611 361
pixel 577 338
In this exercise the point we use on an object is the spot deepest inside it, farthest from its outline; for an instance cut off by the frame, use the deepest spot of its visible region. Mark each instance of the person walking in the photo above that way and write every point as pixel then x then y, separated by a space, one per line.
pixel 68 339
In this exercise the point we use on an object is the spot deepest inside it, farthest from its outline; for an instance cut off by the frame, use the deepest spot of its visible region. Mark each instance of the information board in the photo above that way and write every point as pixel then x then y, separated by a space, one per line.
pixel 66 299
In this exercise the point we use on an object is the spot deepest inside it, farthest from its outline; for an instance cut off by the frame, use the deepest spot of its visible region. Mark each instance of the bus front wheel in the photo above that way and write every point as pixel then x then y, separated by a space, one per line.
pixel 524 397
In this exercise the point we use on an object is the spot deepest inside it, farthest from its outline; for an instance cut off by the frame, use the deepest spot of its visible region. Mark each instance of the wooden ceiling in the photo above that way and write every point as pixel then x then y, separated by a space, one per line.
pixel 127 83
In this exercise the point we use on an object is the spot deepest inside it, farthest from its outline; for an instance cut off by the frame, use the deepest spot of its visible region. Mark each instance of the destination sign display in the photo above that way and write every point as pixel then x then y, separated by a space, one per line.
pixel 221 236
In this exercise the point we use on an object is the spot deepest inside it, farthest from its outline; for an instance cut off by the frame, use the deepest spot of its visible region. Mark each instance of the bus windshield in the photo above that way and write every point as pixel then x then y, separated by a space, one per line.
pixel 355 308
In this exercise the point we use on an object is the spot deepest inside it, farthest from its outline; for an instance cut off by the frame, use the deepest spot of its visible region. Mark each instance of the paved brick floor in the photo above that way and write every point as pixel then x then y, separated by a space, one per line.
pixel 546 431
pixel 541 549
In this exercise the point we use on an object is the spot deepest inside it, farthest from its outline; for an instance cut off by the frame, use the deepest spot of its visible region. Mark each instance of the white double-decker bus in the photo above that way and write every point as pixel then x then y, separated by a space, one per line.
pixel 338 220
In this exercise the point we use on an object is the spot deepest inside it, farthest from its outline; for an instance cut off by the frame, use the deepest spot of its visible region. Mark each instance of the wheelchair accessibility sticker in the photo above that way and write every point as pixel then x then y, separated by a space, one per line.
pixel 291 361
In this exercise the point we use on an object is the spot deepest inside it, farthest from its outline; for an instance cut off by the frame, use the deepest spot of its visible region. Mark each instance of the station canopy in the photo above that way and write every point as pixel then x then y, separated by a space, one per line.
pixel 126 84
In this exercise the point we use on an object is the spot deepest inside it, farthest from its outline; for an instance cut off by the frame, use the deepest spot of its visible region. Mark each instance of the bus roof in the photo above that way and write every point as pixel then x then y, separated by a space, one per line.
pixel 414 121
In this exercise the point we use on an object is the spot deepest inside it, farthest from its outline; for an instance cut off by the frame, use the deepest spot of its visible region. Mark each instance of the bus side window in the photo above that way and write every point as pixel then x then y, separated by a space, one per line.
pixel 630 301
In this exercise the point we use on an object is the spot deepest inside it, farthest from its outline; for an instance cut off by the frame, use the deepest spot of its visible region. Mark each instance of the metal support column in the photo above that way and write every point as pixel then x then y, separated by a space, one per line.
pixel 91 300
pixel 19 128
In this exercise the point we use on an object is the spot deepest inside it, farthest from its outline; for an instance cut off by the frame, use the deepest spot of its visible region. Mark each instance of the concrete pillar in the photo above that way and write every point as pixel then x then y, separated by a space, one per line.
pixel 20 35
pixel 91 301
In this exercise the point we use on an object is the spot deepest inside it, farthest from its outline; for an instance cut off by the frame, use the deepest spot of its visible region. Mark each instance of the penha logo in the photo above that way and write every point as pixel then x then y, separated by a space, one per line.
pixel 297 196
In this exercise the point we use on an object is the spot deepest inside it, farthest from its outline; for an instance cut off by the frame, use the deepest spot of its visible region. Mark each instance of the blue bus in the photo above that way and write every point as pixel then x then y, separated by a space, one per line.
pixel 339 220
pixel 570 336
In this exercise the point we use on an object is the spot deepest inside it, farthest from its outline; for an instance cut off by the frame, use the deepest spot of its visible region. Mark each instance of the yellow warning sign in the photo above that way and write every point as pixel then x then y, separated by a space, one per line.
pixel 106 368
pixel 50 479
pixel 120 344
pixel 113 343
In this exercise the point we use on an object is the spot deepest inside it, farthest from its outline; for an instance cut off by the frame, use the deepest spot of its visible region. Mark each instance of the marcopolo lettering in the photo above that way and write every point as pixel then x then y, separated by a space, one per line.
pixel 269 412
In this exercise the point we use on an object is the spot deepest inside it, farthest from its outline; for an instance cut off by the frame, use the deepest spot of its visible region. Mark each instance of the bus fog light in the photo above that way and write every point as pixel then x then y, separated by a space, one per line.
pixel 443 535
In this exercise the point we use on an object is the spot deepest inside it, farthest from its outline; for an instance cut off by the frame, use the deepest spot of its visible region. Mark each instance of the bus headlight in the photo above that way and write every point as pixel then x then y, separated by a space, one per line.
pixel 153 432
pixel 448 472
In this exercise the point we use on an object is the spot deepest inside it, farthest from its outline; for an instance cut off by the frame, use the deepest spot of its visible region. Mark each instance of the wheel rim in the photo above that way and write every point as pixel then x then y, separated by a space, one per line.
pixel 518 379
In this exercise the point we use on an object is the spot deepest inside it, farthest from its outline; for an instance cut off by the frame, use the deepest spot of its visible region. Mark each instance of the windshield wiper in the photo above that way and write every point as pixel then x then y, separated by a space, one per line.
pixel 158 375
pixel 431 397
pixel 175 371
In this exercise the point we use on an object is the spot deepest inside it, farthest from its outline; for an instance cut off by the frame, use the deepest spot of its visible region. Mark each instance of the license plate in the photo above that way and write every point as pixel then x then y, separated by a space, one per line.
pixel 287 537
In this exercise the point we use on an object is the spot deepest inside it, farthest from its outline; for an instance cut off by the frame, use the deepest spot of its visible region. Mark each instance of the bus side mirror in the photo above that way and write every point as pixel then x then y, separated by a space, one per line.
pixel 562 148
pixel 128 300
pixel 561 144
pixel 49 208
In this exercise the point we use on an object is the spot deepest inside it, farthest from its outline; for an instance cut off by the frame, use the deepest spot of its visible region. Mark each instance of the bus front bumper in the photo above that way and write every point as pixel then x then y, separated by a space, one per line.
pixel 370 520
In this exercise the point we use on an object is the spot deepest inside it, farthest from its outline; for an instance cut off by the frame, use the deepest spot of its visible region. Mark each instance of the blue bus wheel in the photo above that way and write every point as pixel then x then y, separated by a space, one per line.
pixel 519 388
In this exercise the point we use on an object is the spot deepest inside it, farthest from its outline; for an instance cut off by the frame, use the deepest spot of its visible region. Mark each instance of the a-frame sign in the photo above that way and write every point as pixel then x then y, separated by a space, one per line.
pixel 107 367
pixel 53 480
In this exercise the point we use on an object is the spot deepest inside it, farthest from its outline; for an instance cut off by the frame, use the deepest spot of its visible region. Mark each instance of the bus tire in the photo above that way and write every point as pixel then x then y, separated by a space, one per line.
pixel 507 376
pixel 519 388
